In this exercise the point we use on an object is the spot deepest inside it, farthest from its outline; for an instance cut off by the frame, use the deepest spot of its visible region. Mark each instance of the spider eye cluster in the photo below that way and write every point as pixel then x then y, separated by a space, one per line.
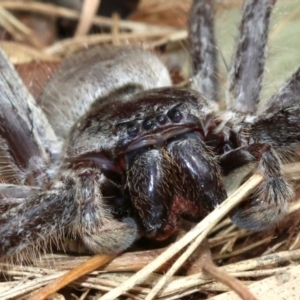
pixel 133 128
pixel 174 115
pixel 148 123
pixel 161 119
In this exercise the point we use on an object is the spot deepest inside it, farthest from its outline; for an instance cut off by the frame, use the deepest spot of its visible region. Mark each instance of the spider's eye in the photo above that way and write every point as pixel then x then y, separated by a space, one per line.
pixel 175 115
pixel 161 119
pixel 133 129
pixel 147 124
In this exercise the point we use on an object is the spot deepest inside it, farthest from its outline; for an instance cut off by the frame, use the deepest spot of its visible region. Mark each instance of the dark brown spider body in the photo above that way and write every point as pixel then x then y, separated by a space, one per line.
pixel 158 151
pixel 130 156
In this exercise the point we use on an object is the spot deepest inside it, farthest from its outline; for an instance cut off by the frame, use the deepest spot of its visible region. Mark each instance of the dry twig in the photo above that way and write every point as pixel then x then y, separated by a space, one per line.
pixel 205 224
pixel 85 268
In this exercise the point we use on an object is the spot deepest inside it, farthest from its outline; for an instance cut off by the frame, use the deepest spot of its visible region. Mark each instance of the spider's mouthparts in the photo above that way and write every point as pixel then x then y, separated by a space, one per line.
pixel 158 138
pixel 97 160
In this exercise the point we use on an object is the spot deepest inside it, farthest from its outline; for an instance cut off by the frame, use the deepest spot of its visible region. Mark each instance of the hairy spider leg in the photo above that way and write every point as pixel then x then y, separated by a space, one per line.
pixel 247 68
pixel 26 138
pixel 203 50
pixel 287 96
pixel 269 203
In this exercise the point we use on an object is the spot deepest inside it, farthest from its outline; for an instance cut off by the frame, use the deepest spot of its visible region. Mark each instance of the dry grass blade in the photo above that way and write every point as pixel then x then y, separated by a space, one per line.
pixel 174 288
pixel 115 30
pixel 179 262
pixel 263 261
pixel 171 37
pixel 19 53
pixel 126 262
pixel 87 267
pixel 210 220
pixel 89 11
pixel 229 281
pixel 177 286
pixel 74 44
pixel 26 287
pixel 207 266
pixel 245 249
pixel 284 286
pixel 17 29
pixel 56 11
